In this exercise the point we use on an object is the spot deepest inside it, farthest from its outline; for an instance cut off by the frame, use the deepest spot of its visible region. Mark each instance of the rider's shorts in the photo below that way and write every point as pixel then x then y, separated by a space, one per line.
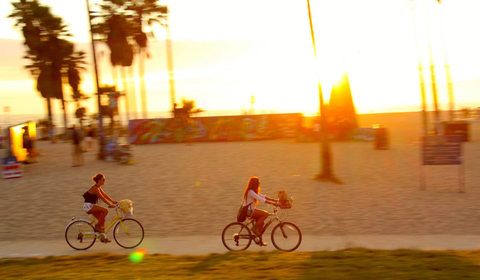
pixel 87 206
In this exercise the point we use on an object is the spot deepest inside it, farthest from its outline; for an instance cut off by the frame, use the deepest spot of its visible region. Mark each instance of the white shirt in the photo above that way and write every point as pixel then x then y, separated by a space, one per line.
pixel 251 197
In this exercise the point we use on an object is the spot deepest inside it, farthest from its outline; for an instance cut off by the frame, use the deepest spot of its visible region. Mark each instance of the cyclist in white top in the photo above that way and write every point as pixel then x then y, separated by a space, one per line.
pixel 251 196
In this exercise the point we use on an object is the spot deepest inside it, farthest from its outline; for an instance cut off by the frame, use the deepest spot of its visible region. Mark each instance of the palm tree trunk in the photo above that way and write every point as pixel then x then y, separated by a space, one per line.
pixel 125 86
pixel 134 94
pixel 64 119
pixel 141 74
pixel 326 159
pixel 50 119
pixel 114 76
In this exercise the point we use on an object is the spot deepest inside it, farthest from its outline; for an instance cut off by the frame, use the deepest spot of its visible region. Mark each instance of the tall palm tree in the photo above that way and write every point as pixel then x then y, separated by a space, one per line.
pixel 326 153
pixel 47 49
pixel 115 30
pixel 121 24
pixel 74 64
pixel 144 12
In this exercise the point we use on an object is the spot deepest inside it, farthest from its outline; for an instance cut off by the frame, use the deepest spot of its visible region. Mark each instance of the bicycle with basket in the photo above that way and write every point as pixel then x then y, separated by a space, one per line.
pixel 127 232
pixel 285 236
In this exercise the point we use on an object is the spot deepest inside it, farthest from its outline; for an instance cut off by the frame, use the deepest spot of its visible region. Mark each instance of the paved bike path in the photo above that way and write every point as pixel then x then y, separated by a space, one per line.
pixel 203 245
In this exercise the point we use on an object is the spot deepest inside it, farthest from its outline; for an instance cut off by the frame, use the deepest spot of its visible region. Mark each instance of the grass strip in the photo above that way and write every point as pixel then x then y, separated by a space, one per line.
pixel 345 264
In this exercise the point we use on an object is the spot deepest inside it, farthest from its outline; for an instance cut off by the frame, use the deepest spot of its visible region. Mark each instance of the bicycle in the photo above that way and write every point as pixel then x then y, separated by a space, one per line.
pixel 127 232
pixel 285 236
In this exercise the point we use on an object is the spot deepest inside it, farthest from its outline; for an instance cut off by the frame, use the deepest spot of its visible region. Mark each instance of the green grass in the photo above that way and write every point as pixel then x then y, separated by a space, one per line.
pixel 346 264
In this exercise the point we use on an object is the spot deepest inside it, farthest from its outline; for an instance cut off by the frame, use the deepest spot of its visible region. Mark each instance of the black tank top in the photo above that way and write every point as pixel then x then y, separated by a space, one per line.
pixel 90 197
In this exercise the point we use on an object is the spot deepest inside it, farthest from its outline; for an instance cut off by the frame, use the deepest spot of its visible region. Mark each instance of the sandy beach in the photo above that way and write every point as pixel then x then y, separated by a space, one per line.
pixel 180 190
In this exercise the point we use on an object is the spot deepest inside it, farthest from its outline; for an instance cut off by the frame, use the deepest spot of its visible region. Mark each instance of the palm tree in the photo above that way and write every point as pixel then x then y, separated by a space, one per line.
pixel 325 157
pixel 121 25
pixel 47 49
pixel 115 30
pixel 74 64
pixel 141 12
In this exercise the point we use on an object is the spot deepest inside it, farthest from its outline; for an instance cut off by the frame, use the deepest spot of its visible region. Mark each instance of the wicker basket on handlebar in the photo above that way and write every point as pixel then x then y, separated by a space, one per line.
pixel 126 206
pixel 284 201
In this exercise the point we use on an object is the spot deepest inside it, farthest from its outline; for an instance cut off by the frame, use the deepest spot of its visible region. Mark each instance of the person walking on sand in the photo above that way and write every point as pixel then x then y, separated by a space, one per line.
pixel 91 207
pixel 28 145
pixel 89 138
pixel 77 147
pixel 251 196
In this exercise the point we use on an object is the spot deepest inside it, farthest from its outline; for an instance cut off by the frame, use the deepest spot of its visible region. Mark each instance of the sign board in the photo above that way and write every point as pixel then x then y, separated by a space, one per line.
pixel 11 168
pixel 442 150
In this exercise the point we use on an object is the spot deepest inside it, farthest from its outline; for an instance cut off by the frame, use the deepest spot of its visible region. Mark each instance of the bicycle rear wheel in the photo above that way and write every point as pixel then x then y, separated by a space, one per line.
pixel 128 233
pixel 286 237
pixel 80 235
pixel 236 237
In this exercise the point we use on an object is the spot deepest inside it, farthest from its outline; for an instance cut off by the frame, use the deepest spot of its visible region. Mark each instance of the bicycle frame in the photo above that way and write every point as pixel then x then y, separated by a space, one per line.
pixel 272 218
pixel 114 221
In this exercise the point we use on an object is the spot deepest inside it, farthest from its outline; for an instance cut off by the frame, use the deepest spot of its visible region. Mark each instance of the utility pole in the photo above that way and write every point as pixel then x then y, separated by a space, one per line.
pixel 101 152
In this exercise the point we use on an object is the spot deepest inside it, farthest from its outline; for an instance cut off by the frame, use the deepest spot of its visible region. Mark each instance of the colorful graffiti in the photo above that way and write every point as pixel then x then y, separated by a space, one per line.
pixel 222 128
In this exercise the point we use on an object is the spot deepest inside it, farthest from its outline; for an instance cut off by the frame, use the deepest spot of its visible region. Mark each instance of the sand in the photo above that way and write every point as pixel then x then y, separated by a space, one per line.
pixel 180 190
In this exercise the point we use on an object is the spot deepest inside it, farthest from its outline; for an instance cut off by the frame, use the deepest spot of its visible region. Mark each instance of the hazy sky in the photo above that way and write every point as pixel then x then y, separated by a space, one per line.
pixel 373 40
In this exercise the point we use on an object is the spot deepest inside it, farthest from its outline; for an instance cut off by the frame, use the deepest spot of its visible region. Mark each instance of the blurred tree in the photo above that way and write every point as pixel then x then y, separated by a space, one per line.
pixel 189 106
pixel 145 12
pixel 74 64
pixel 48 51
pixel 122 26
pixel 113 28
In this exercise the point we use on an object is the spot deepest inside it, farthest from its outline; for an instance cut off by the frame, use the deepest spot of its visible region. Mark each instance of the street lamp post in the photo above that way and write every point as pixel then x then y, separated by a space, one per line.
pixel 101 152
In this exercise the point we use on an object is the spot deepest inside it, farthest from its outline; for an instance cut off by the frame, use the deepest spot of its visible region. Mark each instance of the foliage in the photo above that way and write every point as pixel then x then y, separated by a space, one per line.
pixel 52 57
pixel 119 24
pixel 344 264
pixel 189 106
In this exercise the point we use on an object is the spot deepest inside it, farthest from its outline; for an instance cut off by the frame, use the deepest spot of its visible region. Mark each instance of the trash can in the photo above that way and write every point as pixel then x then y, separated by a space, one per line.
pixel 381 138
pixel 457 128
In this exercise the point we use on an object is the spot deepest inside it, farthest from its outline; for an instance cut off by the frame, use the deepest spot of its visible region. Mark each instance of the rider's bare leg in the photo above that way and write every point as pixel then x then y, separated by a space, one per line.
pixel 260 216
pixel 100 213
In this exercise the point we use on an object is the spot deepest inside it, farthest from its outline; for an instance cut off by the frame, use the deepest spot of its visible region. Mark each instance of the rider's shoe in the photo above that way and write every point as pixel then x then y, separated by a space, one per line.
pixel 104 239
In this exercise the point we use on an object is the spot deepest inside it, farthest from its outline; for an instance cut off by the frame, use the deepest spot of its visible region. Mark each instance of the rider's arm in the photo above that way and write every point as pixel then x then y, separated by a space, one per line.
pixel 263 198
pixel 107 197
pixel 100 195
pixel 259 197
pixel 271 200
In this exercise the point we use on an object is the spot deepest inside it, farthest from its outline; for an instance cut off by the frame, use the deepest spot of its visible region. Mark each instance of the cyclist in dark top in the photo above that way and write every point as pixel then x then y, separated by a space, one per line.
pixel 91 207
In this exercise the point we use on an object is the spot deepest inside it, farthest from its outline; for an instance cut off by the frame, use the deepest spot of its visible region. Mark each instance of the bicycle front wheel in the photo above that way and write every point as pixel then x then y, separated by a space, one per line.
pixel 128 233
pixel 80 235
pixel 286 237
pixel 236 237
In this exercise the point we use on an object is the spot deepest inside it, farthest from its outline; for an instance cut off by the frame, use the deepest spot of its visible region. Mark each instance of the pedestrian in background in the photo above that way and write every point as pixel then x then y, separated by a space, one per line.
pixel 77 147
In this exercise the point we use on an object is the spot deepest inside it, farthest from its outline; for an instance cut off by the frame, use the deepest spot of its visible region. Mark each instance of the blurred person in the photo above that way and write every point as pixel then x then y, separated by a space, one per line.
pixel 251 196
pixel 28 145
pixel 77 147
pixel 89 138
pixel 91 207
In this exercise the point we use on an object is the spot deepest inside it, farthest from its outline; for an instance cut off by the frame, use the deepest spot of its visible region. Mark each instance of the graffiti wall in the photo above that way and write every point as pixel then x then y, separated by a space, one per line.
pixel 221 128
